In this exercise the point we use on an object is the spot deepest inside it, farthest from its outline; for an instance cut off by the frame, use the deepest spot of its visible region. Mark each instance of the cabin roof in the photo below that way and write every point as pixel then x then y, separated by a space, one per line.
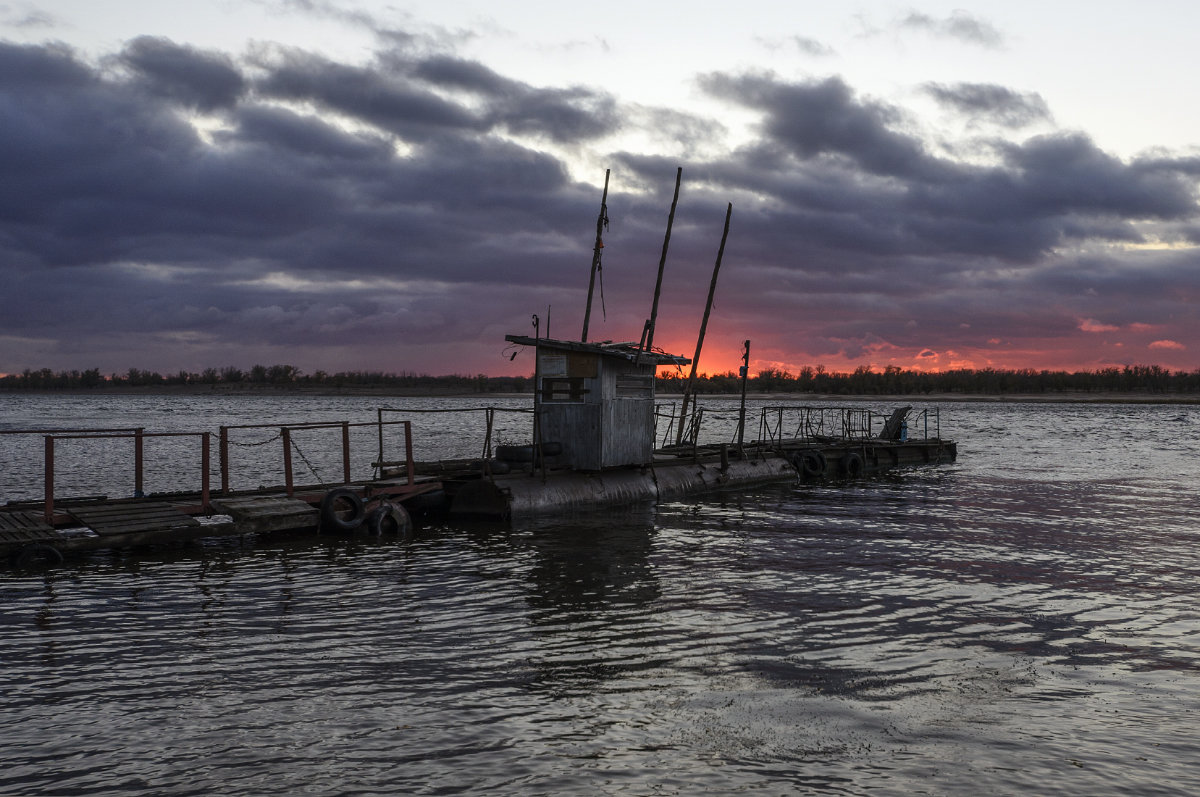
pixel 625 351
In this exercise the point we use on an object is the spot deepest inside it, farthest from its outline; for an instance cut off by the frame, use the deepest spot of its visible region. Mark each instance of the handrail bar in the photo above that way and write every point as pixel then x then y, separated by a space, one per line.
pixel 285 434
pixel 138 436
pixel 82 432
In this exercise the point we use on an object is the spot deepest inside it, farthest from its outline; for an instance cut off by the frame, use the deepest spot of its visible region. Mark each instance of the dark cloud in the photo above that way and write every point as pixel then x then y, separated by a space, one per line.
pixel 31 67
pixel 202 80
pixel 1068 172
pixel 997 104
pixel 824 117
pixel 565 115
pixel 392 104
pixel 274 127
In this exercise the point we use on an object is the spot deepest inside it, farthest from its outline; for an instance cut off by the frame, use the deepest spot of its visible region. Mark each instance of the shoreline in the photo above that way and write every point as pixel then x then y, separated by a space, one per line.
pixel 802 398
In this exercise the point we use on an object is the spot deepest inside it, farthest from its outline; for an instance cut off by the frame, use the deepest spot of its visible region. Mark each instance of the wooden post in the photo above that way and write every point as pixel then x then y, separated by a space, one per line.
pixel 601 226
pixel 49 483
pixel 138 460
pixel 223 456
pixel 286 434
pixel 205 446
pixel 408 453
pixel 345 452
pixel 662 262
pixel 379 413
pixel 489 416
pixel 712 289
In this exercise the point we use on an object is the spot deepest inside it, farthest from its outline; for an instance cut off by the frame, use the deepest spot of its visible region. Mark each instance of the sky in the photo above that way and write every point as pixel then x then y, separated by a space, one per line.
pixel 378 186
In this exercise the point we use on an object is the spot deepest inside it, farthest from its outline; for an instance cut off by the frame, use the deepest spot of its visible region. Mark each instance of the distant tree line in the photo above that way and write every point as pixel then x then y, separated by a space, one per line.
pixel 864 380
pixel 281 376
pixel 893 380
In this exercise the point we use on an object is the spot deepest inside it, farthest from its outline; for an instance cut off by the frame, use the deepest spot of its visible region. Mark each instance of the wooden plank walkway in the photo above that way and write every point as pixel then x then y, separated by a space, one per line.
pixel 108 520
pixel 268 513
pixel 24 527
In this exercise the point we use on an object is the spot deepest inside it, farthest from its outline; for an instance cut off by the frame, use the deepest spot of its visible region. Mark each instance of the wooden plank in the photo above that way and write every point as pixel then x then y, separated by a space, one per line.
pixel 112 519
pixel 253 508
pixel 269 513
pixel 22 527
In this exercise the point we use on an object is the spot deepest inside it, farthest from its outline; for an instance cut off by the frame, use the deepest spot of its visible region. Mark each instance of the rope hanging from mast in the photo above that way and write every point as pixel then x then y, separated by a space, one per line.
pixel 601 226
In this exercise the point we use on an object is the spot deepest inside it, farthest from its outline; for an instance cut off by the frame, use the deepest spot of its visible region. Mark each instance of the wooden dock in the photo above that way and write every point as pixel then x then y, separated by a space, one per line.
pixel 799 443
pixel 95 524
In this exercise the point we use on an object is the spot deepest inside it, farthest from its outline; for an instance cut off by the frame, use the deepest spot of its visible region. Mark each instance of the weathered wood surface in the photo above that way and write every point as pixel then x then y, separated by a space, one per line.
pixel 24 527
pixel 131 518
pixel 268 513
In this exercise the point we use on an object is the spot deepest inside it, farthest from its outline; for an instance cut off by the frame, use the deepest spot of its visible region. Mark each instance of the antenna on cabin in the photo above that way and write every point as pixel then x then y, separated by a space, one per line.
pixel 601 226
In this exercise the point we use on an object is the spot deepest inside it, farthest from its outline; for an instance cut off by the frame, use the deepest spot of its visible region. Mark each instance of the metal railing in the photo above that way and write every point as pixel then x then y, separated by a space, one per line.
pixel 289 446
pixel 779 423
pixel 489 424
pixel 138 437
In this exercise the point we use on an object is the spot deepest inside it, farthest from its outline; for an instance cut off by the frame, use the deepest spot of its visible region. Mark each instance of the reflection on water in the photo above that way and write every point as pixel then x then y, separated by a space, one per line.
pixel 1021 622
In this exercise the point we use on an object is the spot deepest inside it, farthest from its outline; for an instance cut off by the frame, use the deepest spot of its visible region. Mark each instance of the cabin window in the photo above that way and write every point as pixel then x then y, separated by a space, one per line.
pixel 635 386
pixel 568 388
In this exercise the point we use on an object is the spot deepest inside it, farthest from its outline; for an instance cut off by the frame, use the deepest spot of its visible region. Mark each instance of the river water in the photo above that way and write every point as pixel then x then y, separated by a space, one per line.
pixel 1022 622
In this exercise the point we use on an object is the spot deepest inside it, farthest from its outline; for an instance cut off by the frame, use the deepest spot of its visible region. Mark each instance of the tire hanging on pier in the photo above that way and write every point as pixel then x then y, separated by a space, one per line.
pixel 38 557
pixel 852 465
pixel 388 518
pixel 341 510
pixel 811 463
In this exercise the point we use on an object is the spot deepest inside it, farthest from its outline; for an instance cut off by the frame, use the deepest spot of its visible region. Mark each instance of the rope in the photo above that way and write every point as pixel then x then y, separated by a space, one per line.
pixel 296 448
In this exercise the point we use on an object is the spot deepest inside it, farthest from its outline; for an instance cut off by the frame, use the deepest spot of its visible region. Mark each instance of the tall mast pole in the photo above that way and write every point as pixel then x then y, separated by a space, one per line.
pixel 663 262
pixel 601 226
pixel 712 289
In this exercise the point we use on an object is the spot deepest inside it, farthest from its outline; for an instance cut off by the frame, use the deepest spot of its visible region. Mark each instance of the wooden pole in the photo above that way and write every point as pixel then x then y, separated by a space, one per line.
pixel 48 496
pixel 742 412
pixel 601 226
pixel 223 455
pixel 712 289
pixel 662 262
pixel 205 464
pixel 379 462
pixel 138 461
pixel 286 435
pixel 408 453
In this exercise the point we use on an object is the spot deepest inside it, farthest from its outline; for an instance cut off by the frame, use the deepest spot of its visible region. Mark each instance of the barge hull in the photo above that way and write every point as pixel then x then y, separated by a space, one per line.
pixel 515 495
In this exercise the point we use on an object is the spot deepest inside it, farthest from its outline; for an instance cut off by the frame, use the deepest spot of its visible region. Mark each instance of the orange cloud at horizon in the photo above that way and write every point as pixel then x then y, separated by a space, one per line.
pixel 723 358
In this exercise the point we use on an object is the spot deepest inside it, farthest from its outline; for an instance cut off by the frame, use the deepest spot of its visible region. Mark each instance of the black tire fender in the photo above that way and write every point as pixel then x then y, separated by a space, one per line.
pixel 38 556
pixel 342 510
pixel 515 453
pixel 810 463
pixel 852 465
pixel 388 519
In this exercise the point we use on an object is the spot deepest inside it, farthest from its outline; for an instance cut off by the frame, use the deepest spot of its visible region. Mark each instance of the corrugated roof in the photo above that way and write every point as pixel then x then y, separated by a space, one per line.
pixel 626 351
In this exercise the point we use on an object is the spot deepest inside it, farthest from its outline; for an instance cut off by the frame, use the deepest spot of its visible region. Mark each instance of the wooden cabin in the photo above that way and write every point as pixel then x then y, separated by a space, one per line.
pixel 596 400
